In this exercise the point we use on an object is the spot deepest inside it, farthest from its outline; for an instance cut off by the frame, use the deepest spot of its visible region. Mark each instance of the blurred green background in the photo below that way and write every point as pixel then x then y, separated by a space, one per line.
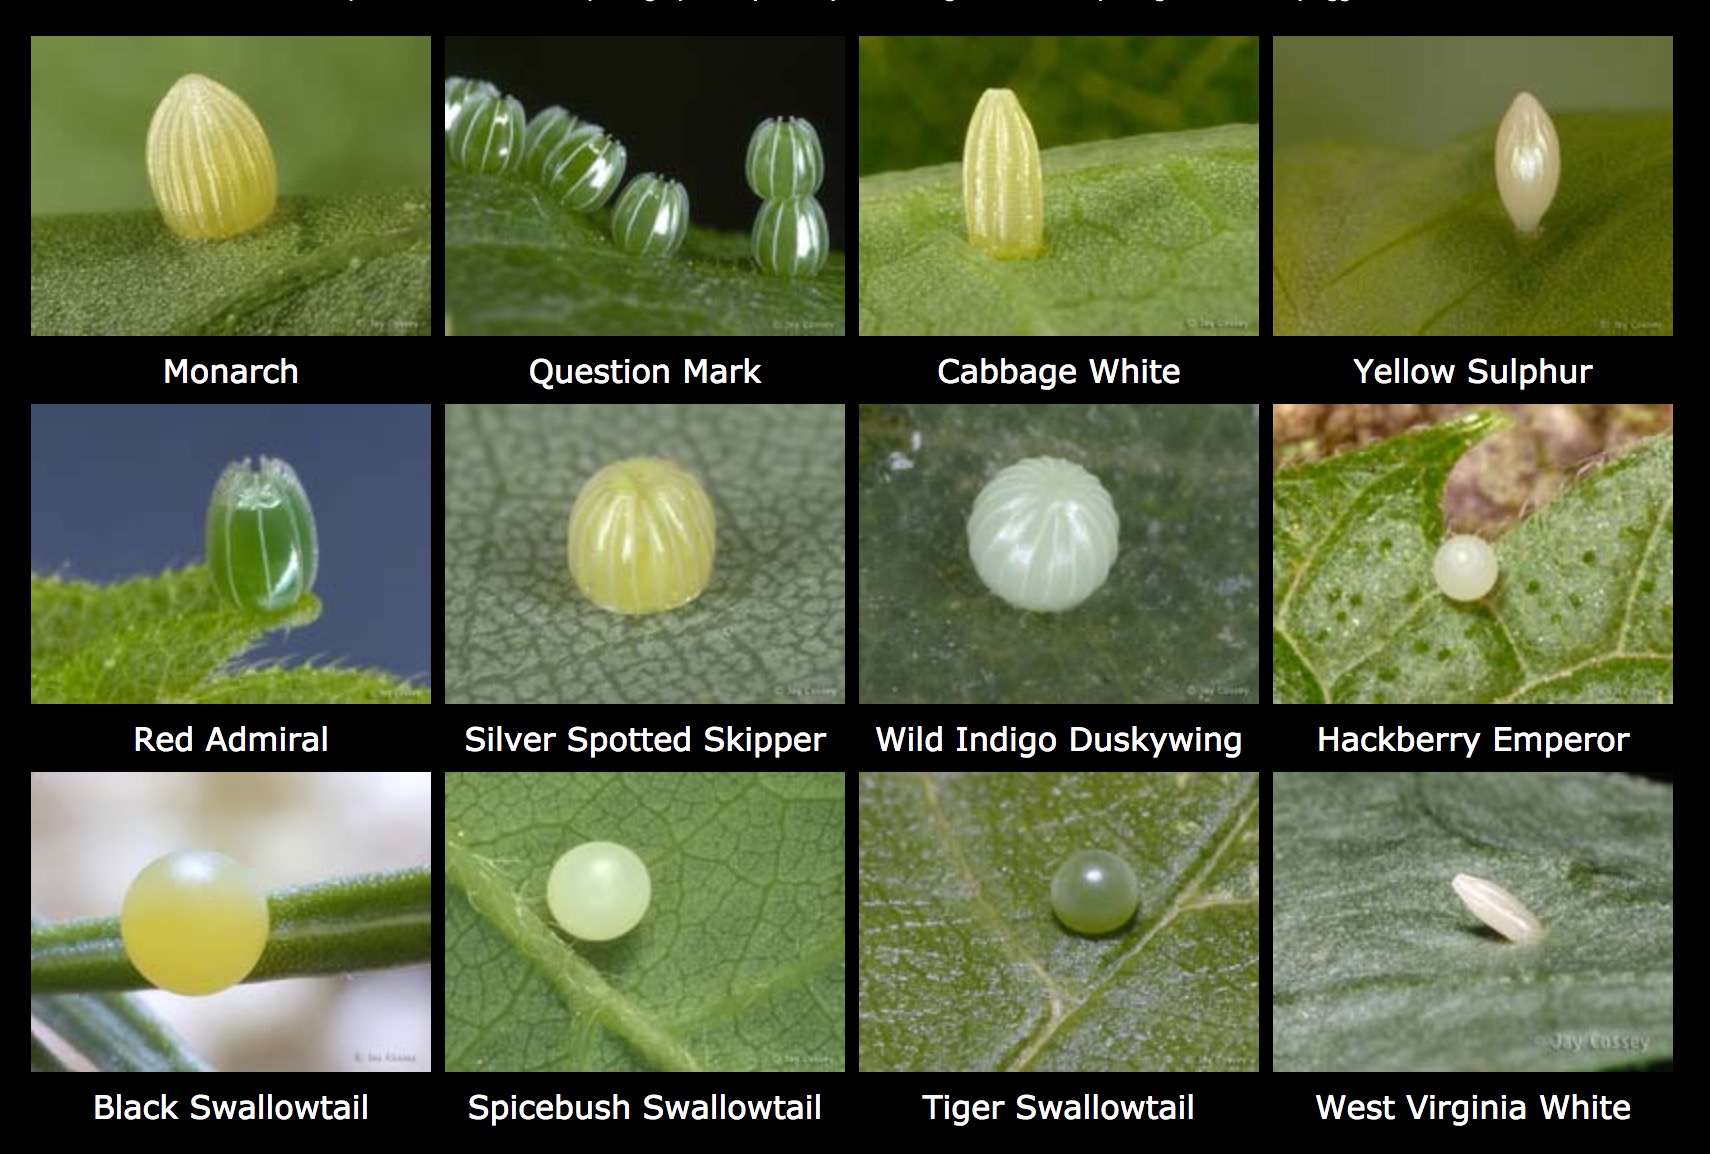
pixel 344 114
pixel 1420 90
pixel 917 92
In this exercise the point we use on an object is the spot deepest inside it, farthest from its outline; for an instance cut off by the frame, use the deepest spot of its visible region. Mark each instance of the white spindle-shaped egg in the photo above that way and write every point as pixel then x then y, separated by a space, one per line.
pixel 1528 162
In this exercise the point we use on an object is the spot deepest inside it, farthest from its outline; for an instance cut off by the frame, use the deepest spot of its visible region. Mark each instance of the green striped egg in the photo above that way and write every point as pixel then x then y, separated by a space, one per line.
pixel 458 92
pixel 790 237
pixel 651 217
pixel 784 159
pixel 586 170
pixel 487 133
pixel 261 537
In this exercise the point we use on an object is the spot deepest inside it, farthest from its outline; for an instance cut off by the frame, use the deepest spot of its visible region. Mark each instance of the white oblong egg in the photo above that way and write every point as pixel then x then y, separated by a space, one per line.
pixel 1528 162
pixel 1465 567
pixel 1043 534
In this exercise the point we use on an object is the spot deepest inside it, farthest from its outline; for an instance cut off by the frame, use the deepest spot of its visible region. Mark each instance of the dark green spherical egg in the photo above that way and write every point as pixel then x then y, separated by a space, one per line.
pixel 1094 892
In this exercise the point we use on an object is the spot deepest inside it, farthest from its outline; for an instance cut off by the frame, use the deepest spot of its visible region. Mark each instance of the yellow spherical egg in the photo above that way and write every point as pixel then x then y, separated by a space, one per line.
pixel 194 922
pixel 642 537
pixel 209 163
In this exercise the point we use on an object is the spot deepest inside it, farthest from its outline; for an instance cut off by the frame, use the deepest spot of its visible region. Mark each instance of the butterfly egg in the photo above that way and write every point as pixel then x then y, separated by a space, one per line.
pixel 790 237
pixel 784 159
pixel 1003 188
pixel 1497 908
pixel 1465 567
pixel 487 134
pixel 651 217
pixel 210 166
pixel 1528 162
pixel 262 551
pixel 599 891
pixel 584 169
pixel 458 92
pixel 549 133
pixel 1043 534
pixel 194 922
pixel 1094 892
pixel 642 537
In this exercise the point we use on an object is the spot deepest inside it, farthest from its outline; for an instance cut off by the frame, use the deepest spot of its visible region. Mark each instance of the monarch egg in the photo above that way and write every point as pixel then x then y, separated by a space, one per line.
pixel 599 891
pixel 486 133
pixel 583 167
pixel 642 537
pixel 1043 534
pixel 193 922
pixel 209 163
pixel 1528 162
pixel 790 237
pixel 1094 892
pixel 459 92
pixel 261 536
pixel 1498 909
pixel 1465 567
pixel 651 217
pixel 1003 188
pixel 784 159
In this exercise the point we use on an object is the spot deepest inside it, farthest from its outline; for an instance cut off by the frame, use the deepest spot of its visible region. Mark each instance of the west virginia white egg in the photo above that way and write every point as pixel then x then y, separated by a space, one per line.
pixel 1043 534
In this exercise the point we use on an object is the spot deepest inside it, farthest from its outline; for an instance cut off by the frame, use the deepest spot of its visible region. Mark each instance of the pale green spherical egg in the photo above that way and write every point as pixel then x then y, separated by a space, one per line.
pixel 599 891
pixel 1094 892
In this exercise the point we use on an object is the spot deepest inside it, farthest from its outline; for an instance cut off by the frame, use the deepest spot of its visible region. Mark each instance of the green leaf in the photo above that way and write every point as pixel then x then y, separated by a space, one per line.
pixel 737 965
pixel 964 966
pixel 1377 965
pixel 171 639
pixel 518 263
pixel 1178 617
pixel 1145 235
pixel 1583 610
pixel 1369 241
pixel 359 265
pixel 769 627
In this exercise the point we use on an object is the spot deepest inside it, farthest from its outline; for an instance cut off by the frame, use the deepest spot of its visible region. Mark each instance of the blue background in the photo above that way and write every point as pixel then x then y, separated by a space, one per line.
pixel 120 491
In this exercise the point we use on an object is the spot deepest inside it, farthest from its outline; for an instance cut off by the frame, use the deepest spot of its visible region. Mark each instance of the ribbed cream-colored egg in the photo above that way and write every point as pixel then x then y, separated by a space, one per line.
pixel 1043 534
pixel 642 537
pixel 209 163
pixel 1003 186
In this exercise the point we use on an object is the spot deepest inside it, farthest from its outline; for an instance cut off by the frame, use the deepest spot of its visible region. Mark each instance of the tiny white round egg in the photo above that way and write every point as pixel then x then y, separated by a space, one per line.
pixel 1043 534
pixel 1465 568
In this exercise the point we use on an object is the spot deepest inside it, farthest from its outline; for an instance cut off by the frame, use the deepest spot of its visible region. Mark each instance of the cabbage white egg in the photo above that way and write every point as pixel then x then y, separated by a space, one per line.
pixel 1465 567
pixel 1003 188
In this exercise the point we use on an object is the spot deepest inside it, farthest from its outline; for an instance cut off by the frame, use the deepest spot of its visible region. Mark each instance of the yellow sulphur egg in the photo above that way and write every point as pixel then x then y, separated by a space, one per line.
pixel 194 922
pixel 599 891
pixel 1528 162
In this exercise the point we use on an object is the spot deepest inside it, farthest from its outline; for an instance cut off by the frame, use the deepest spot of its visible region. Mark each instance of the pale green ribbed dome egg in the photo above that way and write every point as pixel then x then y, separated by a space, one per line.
pixel 1043 534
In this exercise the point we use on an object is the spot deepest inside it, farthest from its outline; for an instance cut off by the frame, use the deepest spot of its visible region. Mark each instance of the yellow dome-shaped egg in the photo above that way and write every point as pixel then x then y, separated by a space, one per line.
pixel 209 163
pixel 642 537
